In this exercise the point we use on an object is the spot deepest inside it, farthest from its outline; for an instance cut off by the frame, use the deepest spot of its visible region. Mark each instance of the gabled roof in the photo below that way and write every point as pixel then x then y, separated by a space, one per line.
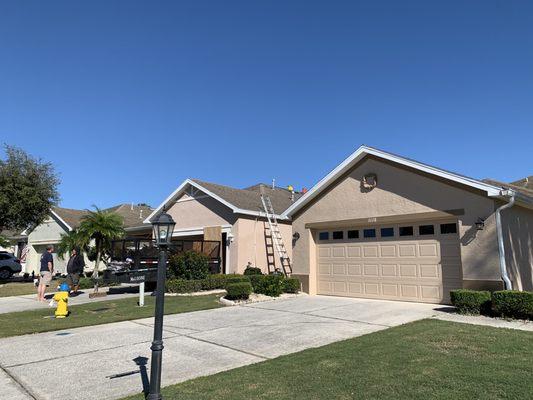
pixel 522 190
pixel 69 217
pixel 363 151
pixel 241 201
pixel 132 215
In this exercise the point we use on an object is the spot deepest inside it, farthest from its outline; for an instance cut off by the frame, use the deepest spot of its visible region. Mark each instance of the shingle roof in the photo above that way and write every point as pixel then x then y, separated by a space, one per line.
pixel 524 190
pixel 70 216
pixel 133 216
pixel 250 198
pixel 526 183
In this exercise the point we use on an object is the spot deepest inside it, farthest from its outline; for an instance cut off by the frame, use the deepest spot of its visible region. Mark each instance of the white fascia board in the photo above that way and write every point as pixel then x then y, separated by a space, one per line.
pixel 362 151
pixel 61 220
pixel 181 189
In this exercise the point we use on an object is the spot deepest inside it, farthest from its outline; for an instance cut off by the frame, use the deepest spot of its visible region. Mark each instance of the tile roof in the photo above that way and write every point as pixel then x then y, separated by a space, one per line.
pixel 249 198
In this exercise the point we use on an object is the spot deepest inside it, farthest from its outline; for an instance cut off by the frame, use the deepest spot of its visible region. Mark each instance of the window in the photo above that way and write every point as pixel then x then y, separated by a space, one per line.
pixel 448 228
pixel 406 231
pixel 4 257
pixel 387 232
pixel 323 236
pixel 426 230
pixel 353 234
pixel 369 233
pixel 338 235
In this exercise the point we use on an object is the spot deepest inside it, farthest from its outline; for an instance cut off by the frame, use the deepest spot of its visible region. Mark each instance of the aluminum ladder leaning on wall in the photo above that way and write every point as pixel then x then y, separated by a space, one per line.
pixel 279 246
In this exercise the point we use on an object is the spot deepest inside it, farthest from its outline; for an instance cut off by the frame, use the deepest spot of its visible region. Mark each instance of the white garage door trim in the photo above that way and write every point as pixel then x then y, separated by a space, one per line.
pixel 421 266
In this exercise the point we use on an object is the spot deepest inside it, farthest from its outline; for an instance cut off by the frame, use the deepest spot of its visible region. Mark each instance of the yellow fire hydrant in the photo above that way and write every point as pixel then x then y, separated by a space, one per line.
pixel 61 298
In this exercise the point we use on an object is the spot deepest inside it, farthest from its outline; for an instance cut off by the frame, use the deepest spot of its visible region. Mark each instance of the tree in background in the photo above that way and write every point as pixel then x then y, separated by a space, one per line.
pixel 102 227
pixel 4 242
pixel 28 189
pixel 70 241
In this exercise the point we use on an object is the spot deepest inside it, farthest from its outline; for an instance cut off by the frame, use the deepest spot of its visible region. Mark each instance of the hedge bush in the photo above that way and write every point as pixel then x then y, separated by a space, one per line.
pixel 189 265
pixel 269 285
pixel 183 285
pixel 237 279
pixel 471 301
pixel 513 304
pixel 238 291
pixel 252 271
pixel 291 285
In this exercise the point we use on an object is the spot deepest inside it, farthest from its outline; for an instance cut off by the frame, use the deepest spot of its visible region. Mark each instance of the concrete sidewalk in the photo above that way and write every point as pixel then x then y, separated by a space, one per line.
pixel 29 301
pixel 111 361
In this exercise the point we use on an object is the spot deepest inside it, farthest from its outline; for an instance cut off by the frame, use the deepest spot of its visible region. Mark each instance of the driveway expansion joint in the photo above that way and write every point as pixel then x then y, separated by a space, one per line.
pixel 19 384
pixel 228 347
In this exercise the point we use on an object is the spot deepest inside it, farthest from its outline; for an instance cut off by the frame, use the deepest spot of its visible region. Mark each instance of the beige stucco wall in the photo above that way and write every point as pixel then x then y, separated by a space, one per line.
pixel 199 212
pixel 249 244
pixel 517 226
pixel 399 192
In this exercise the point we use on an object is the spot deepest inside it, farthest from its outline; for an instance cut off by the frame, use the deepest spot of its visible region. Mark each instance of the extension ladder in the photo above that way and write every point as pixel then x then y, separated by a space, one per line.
pixel 279 246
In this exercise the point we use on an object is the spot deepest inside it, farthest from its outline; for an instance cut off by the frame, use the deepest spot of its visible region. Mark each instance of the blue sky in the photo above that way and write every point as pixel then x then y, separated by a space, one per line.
pixel 129 98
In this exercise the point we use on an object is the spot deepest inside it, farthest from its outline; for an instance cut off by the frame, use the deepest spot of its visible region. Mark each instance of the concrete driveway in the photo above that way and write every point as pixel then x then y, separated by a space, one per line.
pixel 110 361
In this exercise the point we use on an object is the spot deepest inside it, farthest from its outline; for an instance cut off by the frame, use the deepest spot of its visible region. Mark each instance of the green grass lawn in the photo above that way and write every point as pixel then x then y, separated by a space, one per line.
pixel 17 288
pixel 428 359
pixel 101 312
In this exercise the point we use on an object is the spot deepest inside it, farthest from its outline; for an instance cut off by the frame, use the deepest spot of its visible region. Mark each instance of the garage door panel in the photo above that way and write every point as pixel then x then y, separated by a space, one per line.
pixel 430 271
pixel 407 250
pixel 324 269
pixel 413 268
pixel 388 270
pixel 354 269
pixel 408 270
pixel 354 251
pixel 339 269
pixel 388 250
pixel 371 288
pixel 370 251
pixel 428 250
pixel 370 270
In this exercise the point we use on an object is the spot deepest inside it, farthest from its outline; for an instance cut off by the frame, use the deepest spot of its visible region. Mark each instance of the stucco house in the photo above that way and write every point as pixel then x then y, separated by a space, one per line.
pixel 387 227
pixel 62 220
pixel 235 217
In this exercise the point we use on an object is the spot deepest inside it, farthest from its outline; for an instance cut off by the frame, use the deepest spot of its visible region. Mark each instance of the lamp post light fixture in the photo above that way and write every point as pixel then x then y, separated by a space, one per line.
pixel 163 226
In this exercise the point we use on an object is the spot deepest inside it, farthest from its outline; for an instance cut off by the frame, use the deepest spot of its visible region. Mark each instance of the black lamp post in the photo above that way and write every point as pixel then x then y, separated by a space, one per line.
pixel 163 226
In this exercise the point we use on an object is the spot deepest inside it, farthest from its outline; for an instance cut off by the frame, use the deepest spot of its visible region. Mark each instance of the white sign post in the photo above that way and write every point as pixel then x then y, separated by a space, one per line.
pixel 141 294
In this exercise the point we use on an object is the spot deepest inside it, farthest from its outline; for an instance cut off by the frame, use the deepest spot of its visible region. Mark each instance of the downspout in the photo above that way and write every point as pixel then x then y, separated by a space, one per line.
pixel 499 232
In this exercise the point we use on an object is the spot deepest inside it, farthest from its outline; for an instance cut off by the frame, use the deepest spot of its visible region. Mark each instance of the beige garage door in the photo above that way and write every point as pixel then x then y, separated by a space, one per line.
pixel 409 261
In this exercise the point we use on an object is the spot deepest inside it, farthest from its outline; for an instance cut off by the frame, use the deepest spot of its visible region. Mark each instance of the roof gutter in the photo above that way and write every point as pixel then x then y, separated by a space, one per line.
pixel 501 247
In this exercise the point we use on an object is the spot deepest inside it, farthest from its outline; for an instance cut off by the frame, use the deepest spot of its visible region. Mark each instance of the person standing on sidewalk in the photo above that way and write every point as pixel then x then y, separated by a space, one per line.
pixel 74 270
pixel 46 271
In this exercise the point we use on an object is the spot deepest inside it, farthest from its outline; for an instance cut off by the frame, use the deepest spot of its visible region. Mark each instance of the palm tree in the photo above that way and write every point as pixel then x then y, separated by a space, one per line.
pixel 70 241
pixel 102 227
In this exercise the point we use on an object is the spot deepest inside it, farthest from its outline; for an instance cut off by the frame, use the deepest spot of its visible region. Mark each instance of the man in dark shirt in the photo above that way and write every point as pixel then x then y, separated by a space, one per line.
pixel 75 269
pixel 46 271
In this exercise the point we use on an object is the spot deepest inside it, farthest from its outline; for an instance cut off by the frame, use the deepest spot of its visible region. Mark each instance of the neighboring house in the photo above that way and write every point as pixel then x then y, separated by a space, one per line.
pixel 387 227
pixel 63 220
pixel 235 217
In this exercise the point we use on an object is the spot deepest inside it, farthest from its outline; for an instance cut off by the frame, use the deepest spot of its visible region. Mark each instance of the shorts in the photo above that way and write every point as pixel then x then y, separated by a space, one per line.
pixel 46 278
pixel 73 279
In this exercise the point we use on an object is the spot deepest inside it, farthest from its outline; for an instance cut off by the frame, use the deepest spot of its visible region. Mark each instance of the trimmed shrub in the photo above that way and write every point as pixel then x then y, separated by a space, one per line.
pixel 238 291
pixel 189 265
pixel 252 271
pixel 471 301
pixel 270 285
pixel 291 285
pixel 183 286
pixel 237 279
pixel 513 304
pixel 213 282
